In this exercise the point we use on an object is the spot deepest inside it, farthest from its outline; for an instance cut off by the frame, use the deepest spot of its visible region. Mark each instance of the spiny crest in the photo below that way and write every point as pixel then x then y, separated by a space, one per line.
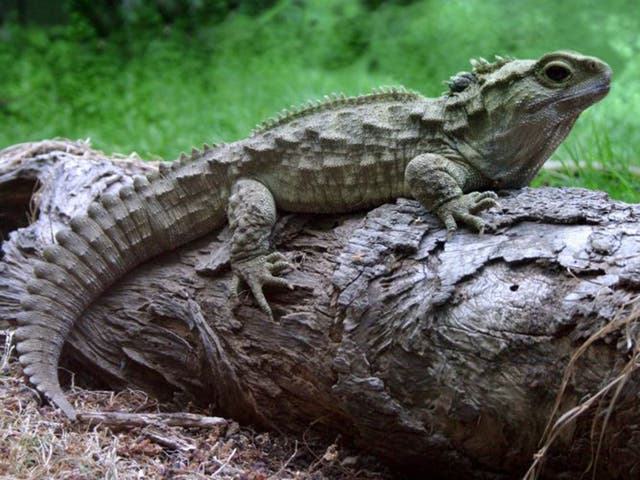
pixel 184 158
pixel 335 100
pixel 483 66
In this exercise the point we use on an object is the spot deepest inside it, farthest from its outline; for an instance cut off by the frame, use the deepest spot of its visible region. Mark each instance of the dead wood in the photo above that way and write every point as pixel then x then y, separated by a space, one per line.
pixel 178 419
pixel 440 355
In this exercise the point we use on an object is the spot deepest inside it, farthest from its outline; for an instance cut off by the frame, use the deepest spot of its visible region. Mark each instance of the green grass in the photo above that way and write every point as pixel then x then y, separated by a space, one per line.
pixel 158 91
pixel 594 162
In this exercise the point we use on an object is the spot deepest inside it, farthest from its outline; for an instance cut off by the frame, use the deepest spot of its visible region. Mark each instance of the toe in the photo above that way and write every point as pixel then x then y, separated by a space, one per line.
pixel 489 194
pixel 450 223
pixel 235 284
pixel 471 220
pixel 276 281
pixel 258 294
pixel 275 257
pixel 279 266
pixel 484 204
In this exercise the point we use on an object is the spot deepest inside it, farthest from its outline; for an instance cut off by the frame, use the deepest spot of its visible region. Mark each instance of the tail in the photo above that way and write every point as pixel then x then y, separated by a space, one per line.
pixel 117 233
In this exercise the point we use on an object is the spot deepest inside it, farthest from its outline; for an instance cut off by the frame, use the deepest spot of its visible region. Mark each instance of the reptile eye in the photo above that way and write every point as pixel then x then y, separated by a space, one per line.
pixel 557 72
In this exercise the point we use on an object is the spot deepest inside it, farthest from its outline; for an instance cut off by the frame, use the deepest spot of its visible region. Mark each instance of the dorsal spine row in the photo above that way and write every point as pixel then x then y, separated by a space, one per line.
pixel 336 100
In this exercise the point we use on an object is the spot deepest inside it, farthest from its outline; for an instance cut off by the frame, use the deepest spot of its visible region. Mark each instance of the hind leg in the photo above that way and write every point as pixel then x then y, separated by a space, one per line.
pixel 252 214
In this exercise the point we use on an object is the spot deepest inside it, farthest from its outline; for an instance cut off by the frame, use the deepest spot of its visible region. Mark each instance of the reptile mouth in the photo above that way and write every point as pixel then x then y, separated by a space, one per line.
pixel 591 94
pixel 595 93
pixel 603 87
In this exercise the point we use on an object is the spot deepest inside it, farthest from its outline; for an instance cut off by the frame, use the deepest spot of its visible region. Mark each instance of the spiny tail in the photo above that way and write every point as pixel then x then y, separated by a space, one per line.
pixel 117 233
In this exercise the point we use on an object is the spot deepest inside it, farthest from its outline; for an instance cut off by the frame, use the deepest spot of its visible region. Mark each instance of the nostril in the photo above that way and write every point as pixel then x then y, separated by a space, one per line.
pixel 593 65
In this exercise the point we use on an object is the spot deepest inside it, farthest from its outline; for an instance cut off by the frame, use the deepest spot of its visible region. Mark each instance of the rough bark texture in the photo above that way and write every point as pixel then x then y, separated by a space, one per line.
pixel 439 355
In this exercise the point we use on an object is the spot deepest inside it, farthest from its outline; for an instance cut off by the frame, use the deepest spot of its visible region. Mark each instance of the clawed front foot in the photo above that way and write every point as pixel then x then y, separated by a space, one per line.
pixel 258 272
pixel 464 209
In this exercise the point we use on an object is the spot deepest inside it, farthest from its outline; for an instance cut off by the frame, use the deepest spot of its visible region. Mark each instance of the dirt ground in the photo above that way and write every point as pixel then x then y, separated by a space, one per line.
pixel 38 442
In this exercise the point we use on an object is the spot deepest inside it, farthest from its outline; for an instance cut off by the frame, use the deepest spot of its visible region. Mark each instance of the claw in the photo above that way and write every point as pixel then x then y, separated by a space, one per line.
pixel 450 224
pixel 484 204
pixel 275 257
pixel 279 266
pixel 258 272
pixel 235 285
pixel 276 282
pixel 464 209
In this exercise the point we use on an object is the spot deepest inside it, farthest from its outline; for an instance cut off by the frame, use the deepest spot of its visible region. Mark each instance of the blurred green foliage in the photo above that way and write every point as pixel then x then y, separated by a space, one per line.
pixel 109 17
pixel 159 76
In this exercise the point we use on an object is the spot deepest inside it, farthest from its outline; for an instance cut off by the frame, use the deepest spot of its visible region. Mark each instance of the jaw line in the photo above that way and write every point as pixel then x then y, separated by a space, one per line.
pixel 598 91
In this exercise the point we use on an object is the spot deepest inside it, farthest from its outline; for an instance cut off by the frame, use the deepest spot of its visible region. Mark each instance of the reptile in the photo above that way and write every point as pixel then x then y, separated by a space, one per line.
pixel 493 129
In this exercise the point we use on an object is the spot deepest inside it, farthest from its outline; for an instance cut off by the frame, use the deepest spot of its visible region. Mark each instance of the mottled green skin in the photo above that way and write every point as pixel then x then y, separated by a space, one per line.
pixel 494 129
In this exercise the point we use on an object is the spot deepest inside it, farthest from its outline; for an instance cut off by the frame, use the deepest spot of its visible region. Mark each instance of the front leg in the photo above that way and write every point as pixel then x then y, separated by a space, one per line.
pixel 439 184
pixel 252 214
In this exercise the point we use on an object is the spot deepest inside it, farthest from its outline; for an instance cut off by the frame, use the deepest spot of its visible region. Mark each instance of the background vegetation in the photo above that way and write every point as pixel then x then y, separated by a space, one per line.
pixel 158 76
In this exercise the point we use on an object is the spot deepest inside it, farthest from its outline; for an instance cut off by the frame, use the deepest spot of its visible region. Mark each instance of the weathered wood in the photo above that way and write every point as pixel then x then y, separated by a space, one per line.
pixel 440 355
pixel 160 420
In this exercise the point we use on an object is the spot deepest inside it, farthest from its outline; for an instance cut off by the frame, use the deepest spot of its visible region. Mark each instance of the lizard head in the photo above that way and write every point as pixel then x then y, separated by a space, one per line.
pixel 519 111
pixel 565 83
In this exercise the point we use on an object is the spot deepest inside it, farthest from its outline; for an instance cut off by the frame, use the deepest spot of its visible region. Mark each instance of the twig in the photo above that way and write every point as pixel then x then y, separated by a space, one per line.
pixel 8 349
pixel 553 430
pixel 276 475
pixel 151 419
pixel 226 462
pixel 562 422
pixel 172 442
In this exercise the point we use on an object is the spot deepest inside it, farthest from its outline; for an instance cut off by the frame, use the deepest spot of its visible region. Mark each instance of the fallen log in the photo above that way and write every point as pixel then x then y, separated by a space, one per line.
pixel 446 356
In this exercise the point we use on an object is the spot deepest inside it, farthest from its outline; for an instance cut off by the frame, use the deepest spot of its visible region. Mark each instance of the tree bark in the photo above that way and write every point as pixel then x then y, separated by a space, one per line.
pixel 440 355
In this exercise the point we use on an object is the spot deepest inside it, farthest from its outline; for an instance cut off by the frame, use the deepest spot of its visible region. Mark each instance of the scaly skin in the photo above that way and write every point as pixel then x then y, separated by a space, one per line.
pixel 494 129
